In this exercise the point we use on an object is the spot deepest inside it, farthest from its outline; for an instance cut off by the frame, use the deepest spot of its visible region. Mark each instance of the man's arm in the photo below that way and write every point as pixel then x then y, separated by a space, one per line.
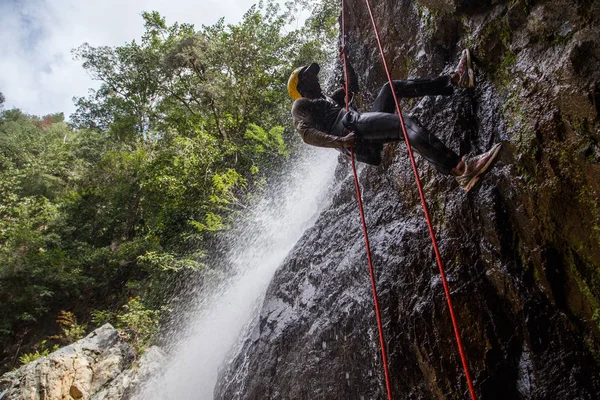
pixel 317 138
pixel 339 95
pixel 352 79
pixel 303 121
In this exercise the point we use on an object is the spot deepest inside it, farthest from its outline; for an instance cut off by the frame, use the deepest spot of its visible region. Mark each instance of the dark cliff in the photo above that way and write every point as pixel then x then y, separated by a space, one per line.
pixel 522 251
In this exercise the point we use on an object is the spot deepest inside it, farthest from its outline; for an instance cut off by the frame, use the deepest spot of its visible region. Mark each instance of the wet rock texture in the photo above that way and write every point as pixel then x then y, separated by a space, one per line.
pixel 522 251
pixel 99 367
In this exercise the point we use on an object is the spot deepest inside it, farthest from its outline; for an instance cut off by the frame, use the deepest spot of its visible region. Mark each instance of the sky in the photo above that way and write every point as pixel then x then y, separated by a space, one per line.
pixel 37 71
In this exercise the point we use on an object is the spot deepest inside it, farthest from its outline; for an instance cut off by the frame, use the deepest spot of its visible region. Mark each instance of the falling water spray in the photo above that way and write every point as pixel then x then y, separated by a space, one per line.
pixel 259 247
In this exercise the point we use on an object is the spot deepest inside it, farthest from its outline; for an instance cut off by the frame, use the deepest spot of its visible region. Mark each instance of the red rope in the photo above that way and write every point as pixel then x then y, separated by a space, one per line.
pixel 426 211
pixel 364 226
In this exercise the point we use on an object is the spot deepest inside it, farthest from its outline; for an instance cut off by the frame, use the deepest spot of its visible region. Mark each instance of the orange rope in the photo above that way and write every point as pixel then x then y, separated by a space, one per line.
pixel 426 211
pixel 364 226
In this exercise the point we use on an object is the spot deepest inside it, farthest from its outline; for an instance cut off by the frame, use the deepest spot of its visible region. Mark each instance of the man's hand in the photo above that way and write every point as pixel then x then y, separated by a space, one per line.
pixel 342 50
pixel 349 140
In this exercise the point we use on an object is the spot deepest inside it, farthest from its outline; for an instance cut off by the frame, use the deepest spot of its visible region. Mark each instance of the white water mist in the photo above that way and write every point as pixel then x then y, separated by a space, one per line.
pixel 259 248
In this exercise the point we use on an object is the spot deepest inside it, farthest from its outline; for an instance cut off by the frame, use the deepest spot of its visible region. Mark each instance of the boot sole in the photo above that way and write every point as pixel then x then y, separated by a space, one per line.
pixel 470 70
pixel 467 81
pixel 493 157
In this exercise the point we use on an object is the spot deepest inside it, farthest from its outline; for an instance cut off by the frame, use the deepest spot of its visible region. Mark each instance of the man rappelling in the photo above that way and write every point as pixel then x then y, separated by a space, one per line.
pixel 323 121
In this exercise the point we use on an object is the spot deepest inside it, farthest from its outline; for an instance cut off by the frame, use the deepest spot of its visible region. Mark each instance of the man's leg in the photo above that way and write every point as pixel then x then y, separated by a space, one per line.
pixel 379 127
pixel 384 102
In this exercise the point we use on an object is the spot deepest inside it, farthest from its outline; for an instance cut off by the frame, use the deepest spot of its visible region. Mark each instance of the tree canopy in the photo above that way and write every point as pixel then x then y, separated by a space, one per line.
pixel 113 206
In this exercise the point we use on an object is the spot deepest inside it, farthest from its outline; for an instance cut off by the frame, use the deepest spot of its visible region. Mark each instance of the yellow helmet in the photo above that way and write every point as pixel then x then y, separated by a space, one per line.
pixel 293 83
pixel 295 77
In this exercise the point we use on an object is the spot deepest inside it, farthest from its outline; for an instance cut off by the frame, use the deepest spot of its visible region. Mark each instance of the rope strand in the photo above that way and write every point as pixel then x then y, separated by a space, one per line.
pixel 364 226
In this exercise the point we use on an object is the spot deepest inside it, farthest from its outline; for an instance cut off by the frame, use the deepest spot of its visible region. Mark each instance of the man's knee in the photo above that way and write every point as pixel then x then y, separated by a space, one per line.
pixel 385 88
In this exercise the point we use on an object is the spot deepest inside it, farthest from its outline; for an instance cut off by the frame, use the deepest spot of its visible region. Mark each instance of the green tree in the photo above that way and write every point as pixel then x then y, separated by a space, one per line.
pixel 194 104
pixel 125 199
pixel 35 170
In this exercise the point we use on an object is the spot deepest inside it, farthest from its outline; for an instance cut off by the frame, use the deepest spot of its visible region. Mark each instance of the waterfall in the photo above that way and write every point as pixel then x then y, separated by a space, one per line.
pixel 259 247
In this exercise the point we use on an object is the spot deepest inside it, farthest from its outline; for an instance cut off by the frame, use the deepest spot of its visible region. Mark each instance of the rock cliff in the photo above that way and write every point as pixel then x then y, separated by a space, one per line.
pixel 522 251
pixel 98 367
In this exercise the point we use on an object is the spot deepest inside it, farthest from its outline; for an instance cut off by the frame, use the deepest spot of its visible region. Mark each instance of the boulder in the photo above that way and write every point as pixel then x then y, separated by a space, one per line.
pixel 99 366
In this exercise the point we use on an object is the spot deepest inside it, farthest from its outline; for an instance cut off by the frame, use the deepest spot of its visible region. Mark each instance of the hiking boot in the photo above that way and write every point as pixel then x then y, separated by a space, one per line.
pixel 476 167
pixel 465 71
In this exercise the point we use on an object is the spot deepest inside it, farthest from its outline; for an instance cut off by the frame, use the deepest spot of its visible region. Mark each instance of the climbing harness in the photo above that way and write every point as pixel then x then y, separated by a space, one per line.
pixel 425 210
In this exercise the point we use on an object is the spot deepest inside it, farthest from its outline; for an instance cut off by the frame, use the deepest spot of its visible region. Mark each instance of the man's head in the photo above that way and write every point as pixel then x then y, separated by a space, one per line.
pixel 304 82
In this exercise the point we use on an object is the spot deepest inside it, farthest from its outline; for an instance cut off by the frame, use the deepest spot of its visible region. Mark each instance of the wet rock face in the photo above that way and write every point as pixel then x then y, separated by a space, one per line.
pixel 521 252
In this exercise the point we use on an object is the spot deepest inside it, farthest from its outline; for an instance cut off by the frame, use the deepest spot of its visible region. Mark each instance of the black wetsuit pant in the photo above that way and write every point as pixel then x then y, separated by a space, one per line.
pixel 381 125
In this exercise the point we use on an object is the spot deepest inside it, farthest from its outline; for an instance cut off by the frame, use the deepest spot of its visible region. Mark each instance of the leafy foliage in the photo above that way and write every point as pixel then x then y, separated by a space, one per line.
pixel 115 206
pixel 71 330
pixel 42 351
pixel 138 324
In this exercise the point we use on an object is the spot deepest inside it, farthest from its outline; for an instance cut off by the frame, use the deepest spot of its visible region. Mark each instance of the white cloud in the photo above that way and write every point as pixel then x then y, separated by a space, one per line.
pixel 37 72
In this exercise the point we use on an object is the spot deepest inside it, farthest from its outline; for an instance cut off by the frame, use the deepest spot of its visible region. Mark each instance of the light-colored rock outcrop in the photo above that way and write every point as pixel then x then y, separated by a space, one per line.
pixel 100 366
